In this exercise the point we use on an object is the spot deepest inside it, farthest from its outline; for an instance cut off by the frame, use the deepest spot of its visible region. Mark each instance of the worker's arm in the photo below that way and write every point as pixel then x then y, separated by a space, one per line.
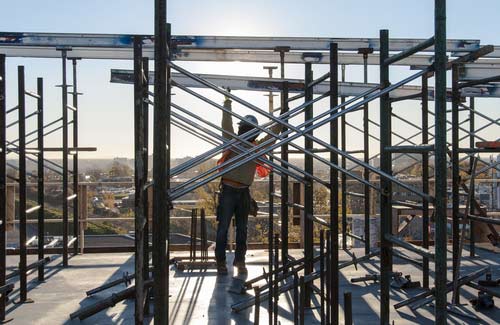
pixel 227 120
pixel 276 129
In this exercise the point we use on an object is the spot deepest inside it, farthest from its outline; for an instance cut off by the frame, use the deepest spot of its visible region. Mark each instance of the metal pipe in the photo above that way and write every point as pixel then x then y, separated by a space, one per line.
pixel 248 135
pixel 343 144
pixel 440 204
pixel 139 181
pixel 334 191
pixel 76 223
pixel 425 180
pixel 366 158
pixel 455 175
pixel 322 275
pixel 3 188
pixel 386 185
pixel 126 278
pixel 304 132
pixel 473 112
pixel 284 185
pixel 408 52
pixel 269 146
pixel 22 185
pixel 347 308
pixel 416 249
pixel 242 149
pixel 40 180
pixel 161 165
pixel 307 224
pixel 65 184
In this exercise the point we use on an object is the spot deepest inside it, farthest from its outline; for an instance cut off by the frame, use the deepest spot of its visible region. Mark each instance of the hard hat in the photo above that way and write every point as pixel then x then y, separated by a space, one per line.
pixel 248 120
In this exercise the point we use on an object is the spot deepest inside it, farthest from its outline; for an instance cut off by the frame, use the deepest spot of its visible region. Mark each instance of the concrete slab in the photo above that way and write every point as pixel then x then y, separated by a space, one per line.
pixel 201 297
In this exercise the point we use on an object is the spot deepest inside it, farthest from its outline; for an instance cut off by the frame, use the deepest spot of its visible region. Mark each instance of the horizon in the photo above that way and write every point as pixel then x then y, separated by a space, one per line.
pixel 106 110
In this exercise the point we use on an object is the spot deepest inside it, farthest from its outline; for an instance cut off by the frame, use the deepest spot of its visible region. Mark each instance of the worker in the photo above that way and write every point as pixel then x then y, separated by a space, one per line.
pixel 234 195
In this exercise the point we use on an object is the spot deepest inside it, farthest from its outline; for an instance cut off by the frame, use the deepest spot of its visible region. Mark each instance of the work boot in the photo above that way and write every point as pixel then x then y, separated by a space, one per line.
pixel 221 269
pixel 241 267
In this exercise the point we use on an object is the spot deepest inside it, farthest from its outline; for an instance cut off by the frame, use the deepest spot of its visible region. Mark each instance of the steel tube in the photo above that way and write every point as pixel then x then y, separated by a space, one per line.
pixel 343 144
pixel 76 223
pixel 241 149
pixel 472 120
pixel 22 186
pixel 139 181
pixel 408 52
pixel 284 185
pixel 440 204
pixel 64 89
pixel 425 180
pixel 267 143
pixel 455 176
pixel 307 224
pixel 386 185
pixel 161 165
pixel 334 190
pixel 297 129
pixel 40 180
pixel 190 164
pixel 3 188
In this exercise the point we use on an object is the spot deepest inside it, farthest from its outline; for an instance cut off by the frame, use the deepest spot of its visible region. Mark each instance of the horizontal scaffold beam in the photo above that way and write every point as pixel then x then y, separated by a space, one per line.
pixel 296 85
pixel 113 46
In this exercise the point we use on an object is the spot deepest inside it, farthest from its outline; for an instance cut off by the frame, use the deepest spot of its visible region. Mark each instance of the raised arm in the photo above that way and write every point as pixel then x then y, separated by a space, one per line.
pixel 227 120
pixel 276 129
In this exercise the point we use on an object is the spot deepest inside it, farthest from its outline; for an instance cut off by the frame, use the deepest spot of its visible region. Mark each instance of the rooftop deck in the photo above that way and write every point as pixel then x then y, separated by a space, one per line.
pixel 201 297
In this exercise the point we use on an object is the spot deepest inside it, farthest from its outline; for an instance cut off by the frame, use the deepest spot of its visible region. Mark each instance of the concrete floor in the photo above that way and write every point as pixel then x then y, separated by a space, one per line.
pixel 200 297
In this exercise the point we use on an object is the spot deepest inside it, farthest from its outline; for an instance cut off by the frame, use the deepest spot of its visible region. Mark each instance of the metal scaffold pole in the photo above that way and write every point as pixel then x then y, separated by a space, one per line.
pixel 386 185
pixel 76 222
pixel 3 188
pixel 145 159
pixel 334 188
pixel 22 185
pixel 161 164
pixel 308 191
pixel 425 179
pixel 64 88
pixel 284 185
pixel 41 181
pixel 440 203
pixel 139 180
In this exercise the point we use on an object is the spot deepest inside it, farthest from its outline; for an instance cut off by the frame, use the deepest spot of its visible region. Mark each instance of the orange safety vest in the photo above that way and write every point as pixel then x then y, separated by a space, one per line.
pixel 263 170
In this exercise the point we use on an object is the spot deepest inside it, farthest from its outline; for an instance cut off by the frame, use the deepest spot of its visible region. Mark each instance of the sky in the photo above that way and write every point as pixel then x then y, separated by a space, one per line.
pixel 106 110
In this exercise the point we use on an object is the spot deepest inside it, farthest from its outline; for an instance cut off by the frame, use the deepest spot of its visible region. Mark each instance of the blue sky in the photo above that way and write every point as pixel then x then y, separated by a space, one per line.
pixel 106 109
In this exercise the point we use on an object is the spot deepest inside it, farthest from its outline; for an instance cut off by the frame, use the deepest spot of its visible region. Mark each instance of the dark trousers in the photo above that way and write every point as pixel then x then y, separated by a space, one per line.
pixel 232 201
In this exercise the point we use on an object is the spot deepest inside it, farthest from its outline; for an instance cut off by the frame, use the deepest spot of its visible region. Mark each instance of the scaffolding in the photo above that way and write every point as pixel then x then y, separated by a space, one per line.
pixel 475 72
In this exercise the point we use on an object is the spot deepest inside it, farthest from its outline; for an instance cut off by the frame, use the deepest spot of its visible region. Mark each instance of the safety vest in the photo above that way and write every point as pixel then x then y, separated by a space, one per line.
pixel 263 170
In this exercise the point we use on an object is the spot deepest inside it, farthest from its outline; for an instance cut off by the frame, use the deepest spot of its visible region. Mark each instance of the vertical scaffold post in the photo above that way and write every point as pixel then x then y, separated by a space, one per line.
pixel 472 247
pixel 425 179
pixel 139 180
pixel 455 168
pixel 161 168
pixel 366 158
pixel 145 154
pixel 334 187
pixel 343 175
pixel 64 88
pixel 270 234
pixel 3 188
pixel 308 191
pixel 76 221
pixel 440 203
pixel 22 184
pixel 385 196
pixel 284 183
pixel 41 182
